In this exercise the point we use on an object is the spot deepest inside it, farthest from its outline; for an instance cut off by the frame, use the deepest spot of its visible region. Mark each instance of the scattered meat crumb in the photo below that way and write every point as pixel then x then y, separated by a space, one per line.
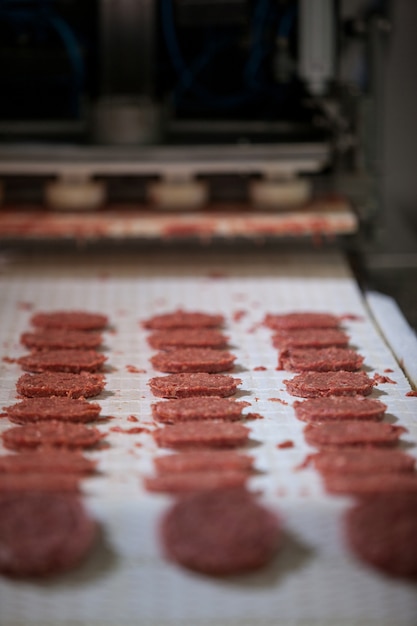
pixel 3 414
pixel 132 418
pixel 305 463
pixel 351 316
pixel 388 370
pixel 254 416
pixel 131 431
pixel 259 368
pixel 383 379
pixel 132 369
pixel 137 430
pixel 9 359
pixel 412 393
pixel 238 315
pixel 278 400
pixel 25 306
pixel 288 443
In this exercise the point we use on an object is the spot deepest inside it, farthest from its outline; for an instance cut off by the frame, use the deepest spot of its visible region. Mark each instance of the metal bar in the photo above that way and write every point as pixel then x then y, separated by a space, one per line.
pixel 155 160
pixel 397 333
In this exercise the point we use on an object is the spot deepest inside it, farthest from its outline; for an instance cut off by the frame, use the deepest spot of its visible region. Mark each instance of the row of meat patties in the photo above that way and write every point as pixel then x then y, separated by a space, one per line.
pixel 215 524
pixel 360 452
pixel 45 528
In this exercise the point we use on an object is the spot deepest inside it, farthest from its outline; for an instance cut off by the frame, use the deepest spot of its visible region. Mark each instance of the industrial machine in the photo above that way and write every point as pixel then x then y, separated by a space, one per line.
pixel 253 108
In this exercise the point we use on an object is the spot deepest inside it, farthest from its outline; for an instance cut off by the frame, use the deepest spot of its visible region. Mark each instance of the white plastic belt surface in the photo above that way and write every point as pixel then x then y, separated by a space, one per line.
pixel 315 580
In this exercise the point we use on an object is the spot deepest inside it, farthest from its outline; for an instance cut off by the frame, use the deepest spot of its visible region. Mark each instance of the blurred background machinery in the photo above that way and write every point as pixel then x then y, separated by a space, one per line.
pixel 270 89
pixel 252 105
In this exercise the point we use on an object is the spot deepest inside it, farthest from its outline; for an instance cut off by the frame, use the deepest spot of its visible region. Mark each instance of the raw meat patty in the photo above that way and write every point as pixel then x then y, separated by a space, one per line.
pixel 323 384
pixel 354 461
pixel 203 408
pixel 192 385
pixel 381 530
pixel 187 338
pixel 72 320
pixel 60 384
pixel 339 409
pixel 46 462
pixel 183 319
pixel 55 408
pixel 352 433
pixel 57 338
pixel 193 360
pixel 202 461
pixel 310 338
pixel 39 481
pixel 43 533
pixel 363 485
pixel 185 482
pixel 291 321
pixel 70 360
pixel 202 434
pixel 320 359
pixel 220 532
pixel 51 433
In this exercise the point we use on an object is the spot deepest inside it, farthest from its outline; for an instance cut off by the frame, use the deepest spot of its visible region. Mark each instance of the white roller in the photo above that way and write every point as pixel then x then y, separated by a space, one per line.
pixel 178 195
pixel 75 194
pixel 280 194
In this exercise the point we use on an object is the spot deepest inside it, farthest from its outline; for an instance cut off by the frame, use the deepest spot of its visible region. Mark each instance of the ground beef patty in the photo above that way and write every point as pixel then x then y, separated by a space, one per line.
pixel 183 319
pixel 55 408
pixel 187 338
pixel 354 461
pixel 46 462
pixel 53 433
pixel 43 533
pixel 220 532
pixel 71 320
pixel 310 338
pixel 339 409
pixel 352 433
pixel 382 529
pixel 363 485
pixel 66 384
pixel 39 481
pixel 292 321
pixel 185 482
pixel 202 434
pixel 193 360
pixel 203 461
pixel 320 359
pixel 324 384
pixel 57 339
pixel 192 385
pixel 69 360
pixel 203 408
